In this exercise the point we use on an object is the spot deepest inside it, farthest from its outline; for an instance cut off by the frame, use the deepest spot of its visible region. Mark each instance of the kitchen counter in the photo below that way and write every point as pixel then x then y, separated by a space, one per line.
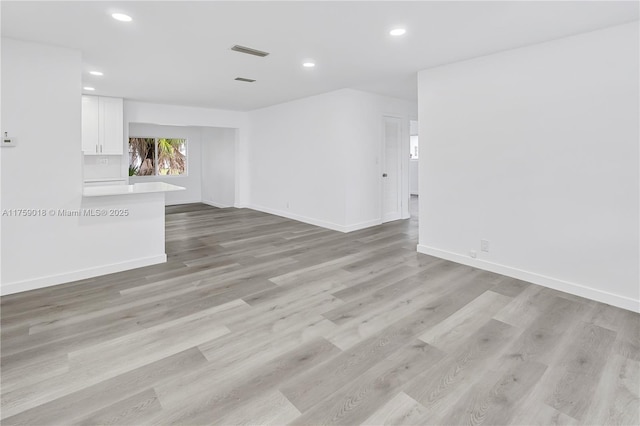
pixel 137 188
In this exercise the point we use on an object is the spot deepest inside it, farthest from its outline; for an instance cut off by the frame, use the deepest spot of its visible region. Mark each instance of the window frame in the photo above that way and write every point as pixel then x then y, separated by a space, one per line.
pixel 156 166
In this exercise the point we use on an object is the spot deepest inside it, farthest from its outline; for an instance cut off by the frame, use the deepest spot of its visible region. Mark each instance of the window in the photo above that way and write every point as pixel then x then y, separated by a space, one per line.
pixel 413 147
pixel 157 157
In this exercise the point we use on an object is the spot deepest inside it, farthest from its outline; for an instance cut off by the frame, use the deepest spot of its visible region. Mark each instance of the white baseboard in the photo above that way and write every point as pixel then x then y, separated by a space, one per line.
pixel 213 204
pixel 299 218
pixel 81 274
pixel 543 280
pixel 391 217
pixel 317 222
pixel 362 225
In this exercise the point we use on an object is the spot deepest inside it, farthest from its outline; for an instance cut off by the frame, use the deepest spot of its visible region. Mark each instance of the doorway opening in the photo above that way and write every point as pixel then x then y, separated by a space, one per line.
pixel 201 159
pixel 414 169
pixel 391 187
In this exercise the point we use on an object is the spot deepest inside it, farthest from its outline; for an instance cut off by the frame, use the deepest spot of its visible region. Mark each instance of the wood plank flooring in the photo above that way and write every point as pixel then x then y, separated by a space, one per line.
pixel 257 319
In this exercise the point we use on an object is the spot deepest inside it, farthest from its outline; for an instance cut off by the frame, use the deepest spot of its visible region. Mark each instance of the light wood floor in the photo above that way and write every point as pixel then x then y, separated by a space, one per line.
pixel 257 319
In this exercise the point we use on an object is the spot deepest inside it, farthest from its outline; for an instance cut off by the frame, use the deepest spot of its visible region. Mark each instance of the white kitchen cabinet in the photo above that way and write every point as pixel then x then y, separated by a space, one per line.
pixel 111 126
pixel 90 125
pixel 102 125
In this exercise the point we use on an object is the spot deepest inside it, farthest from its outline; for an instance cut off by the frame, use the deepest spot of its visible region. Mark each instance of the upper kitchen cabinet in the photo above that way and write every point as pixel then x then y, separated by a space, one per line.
pixel 102 125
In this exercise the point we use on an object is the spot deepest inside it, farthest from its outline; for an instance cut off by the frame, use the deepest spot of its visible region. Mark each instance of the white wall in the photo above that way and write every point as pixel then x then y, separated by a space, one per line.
pixel 192 181
pixel 536 150
pixel 297 159
pixel 317 159
pixel 94 168
pixel 218 166
pixel 363 120
pixel 173 115
pixel 413 177
pixel 41 109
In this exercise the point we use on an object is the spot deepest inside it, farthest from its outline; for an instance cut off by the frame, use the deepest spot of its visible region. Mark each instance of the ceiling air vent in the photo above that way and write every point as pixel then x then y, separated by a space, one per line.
pixel 249 51
pixel 247 80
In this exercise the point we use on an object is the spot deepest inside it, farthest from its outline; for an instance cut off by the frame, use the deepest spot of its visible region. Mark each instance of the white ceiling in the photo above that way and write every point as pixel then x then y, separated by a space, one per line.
pixel 179 52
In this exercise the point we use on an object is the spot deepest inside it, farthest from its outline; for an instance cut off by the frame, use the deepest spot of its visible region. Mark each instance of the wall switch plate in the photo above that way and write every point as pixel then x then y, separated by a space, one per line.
pixel 484 245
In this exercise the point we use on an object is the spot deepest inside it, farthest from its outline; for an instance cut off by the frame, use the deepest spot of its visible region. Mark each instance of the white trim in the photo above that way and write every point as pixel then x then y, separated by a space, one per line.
pixel 187 201
pixel 317 222
pixel 362 225
pixel 212 204
pixel 543 280
pixel 80 274
pixel 309 220
pixel 390 217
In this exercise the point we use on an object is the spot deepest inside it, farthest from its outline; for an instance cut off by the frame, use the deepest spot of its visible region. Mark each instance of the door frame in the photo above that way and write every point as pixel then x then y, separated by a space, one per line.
pixel 402 204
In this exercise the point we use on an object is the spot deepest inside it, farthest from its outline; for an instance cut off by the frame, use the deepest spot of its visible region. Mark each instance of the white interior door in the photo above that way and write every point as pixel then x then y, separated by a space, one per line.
pixel 391 170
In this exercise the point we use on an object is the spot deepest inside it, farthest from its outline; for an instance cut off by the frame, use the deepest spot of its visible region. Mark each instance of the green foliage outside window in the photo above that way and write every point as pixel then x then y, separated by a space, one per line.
pixel 157 156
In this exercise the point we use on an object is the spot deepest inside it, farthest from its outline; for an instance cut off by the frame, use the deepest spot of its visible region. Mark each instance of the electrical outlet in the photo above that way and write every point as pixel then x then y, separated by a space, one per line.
pixel 484 245
pixel 103 161
pixel 472 253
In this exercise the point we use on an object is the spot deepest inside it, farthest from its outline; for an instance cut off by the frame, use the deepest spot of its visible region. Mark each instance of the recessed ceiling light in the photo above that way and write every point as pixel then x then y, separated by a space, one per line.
pixel 397 31
pixel 98 73
pixel 121 17
pixel 308 64
pixel 89 89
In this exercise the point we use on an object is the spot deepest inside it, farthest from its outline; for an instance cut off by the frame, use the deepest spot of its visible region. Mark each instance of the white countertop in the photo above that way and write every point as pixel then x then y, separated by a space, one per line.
pixel 110 179
pixel 137 188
